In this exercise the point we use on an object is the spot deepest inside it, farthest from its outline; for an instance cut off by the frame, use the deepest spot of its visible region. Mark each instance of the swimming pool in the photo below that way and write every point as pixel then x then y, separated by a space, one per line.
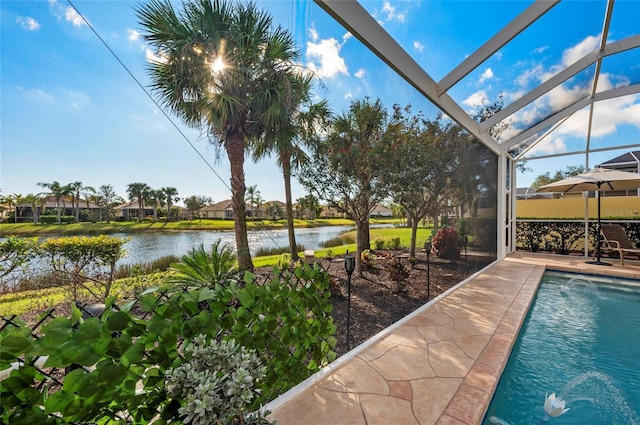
pixel 580 340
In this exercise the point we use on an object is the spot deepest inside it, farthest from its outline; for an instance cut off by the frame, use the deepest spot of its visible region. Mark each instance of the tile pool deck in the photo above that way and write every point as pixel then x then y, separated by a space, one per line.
pixel 439 365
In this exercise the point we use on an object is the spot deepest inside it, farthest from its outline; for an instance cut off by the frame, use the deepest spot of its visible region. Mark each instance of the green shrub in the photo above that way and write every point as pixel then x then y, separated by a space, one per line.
pixel 445 244
pixel 393 244
pixel 216 383
pixel 117 364
pixel 379 244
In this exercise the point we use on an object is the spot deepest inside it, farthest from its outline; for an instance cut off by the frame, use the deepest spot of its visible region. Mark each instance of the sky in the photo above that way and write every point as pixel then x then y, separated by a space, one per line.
pixel 74 87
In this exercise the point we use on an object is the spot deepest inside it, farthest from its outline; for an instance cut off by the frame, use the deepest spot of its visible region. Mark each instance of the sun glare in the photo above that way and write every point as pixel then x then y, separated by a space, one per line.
pixel 217 65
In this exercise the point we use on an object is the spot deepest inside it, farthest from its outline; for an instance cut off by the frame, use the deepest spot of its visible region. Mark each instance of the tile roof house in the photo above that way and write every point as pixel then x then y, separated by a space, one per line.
pixel 221 210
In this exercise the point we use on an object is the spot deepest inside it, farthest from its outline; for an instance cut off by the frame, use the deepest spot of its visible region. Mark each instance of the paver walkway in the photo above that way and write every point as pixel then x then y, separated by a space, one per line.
pixel 441 364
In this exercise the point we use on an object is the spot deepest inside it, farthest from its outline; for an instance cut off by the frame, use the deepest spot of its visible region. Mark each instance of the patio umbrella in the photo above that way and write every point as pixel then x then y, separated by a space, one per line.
pixel 601 180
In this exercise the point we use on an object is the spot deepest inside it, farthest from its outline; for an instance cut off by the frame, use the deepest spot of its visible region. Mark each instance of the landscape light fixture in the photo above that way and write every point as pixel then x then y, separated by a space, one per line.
pixel 427 249
pixel 349 267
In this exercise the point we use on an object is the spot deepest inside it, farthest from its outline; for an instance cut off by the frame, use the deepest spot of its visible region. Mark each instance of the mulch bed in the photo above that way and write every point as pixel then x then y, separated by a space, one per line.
pixel 376 302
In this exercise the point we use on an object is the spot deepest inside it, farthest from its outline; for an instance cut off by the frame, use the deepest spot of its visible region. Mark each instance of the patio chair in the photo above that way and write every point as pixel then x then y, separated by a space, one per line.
pixel 614 239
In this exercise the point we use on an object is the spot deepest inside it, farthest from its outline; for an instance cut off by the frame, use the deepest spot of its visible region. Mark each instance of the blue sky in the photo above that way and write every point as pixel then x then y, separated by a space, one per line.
pixel 71 112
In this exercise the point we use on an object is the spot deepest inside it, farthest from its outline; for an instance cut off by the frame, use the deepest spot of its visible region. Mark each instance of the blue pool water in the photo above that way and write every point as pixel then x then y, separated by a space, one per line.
pixel 581 340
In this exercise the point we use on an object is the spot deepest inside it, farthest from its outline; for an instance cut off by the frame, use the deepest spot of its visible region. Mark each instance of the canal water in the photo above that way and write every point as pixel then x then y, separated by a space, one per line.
pixel 149 246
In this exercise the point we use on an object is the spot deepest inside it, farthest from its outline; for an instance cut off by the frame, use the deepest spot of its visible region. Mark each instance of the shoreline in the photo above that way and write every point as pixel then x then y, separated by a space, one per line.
pixel 92 229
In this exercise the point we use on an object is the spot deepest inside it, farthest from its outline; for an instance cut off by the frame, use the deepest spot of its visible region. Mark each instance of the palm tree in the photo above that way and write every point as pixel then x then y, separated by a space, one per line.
pixel 76 189
pixel 224 68
pixel 251 197
pixel 58 192
pixel 36 201
pixel 17 200
pixel 155 198
pixel 140 192
pixel 289 140
pixel 170 196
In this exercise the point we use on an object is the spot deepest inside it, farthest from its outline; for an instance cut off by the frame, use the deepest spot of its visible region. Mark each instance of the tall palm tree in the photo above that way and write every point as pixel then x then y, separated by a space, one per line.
pixel 58 192
pixel 224 67
pixel 36 202
pixel 251 197
pixel 19 201
pixel 288 142
pixel 76 190
pixel 155 198
pixel 170 197
pixel 140 192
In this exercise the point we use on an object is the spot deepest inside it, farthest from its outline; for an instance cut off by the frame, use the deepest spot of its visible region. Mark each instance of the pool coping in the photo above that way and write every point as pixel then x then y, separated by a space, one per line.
pixel 388 378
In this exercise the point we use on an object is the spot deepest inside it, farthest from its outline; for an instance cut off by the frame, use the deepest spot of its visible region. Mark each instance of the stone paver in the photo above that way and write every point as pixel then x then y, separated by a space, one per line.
pixel 441 364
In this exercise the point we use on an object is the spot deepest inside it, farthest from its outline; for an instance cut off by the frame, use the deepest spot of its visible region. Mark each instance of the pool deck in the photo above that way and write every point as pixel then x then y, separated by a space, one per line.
pixel 439 365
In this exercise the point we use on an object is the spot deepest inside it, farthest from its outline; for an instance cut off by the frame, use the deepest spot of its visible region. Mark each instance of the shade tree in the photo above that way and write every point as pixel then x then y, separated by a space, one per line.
pixel 420 164
pixel 344 169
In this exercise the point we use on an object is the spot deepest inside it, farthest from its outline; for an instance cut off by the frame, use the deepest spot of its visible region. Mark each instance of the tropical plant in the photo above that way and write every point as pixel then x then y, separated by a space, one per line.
pixel 398 272
pixel 170 197
pixel 201 268
pixel 18 201
pixel 221 67
pixel 36 202
pixel 76 190
pixel 300 125
pixel 139 192
pixel 58 192
pixel 445 244
pixel 155 198
pixel 113 368
pixel 253 198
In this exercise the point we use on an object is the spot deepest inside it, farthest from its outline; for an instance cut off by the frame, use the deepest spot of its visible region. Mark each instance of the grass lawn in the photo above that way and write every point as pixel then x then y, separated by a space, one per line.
pixel 30 229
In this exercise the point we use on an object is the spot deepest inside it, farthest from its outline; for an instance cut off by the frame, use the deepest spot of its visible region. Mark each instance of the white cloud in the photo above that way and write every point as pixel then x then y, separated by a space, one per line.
pixel 476 99
pixel 313 34
pixel 152 56
pixel 133 35
pixel 348 95
pixel 539 50
pixel 418 46
pixel 72 16
pixel 69 14
pixel 549 146
pixel 324 57
pixel 486 75
pixel 532 74
pixel 360 73
pixel 39 95
pixel 390 13
pixel 586 46
pixel 28 23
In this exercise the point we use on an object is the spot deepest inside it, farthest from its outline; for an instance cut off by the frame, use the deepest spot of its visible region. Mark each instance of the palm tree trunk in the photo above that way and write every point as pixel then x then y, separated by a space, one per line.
pixel 234 145
pixel 59 210
pixel 286 172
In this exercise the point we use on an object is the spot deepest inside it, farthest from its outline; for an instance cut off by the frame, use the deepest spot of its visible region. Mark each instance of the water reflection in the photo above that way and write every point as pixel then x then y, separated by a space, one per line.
pixel 145 247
